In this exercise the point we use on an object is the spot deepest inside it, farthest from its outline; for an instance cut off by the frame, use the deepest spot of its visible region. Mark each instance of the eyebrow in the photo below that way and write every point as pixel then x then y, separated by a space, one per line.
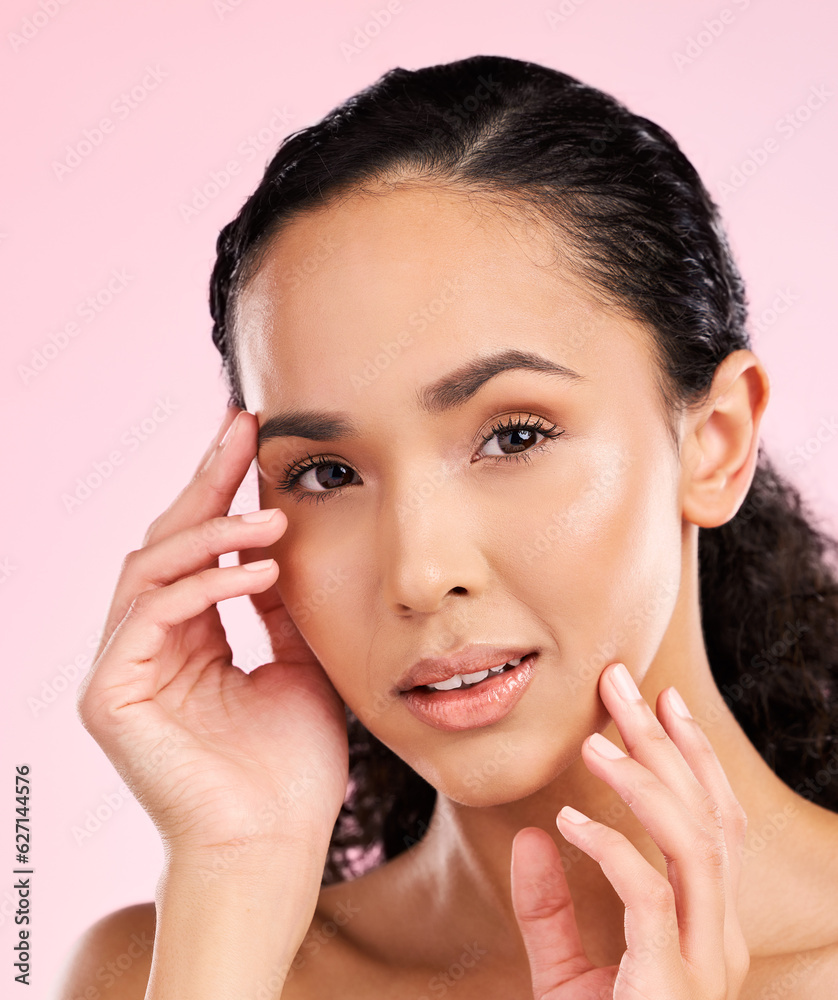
pixel 446 393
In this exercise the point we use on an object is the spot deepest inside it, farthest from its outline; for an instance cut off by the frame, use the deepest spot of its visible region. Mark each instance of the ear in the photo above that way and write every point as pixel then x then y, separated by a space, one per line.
pixel 720 441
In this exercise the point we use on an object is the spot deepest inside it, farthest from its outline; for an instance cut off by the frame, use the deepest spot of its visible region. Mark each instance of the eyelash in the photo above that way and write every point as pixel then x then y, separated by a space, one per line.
pixel 294 471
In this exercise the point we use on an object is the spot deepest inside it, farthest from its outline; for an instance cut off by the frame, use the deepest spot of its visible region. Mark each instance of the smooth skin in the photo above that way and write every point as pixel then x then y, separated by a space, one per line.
pixel 661 888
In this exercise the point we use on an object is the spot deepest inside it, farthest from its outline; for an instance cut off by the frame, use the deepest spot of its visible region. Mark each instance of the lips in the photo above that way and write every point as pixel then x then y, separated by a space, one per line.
pixel 469 660
pixel 473 707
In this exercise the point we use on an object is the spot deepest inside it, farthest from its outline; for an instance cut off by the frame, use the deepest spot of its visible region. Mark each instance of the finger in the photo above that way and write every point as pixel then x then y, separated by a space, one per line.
pixel 230 415
pixel 649 743
pixel 701 757
pixel 268 603
pixel 211 490
pixel 127 671
pixel 699 754
pixel 194 548
pixel 544 910
pixel 693 848
pixel 651 923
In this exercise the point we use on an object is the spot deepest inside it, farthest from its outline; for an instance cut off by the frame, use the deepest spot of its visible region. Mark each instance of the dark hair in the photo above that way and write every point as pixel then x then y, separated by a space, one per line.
pixel 646 236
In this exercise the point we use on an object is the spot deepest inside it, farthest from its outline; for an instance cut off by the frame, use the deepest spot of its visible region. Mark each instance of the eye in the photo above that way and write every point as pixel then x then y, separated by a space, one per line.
pixel 319 477
pixel 521 435
pixel 312 473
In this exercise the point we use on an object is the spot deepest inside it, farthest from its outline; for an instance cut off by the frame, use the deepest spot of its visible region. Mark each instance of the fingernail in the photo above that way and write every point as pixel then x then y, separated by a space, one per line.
pixel 604 747
pixel 622 680
pixel 254 516
pixel 678 704
pixel 573 815
pixel 256 567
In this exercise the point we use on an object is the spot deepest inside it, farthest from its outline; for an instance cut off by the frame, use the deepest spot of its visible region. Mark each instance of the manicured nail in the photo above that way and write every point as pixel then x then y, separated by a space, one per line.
pixel 679 705
pixel 254 516
pixel 605 748
pixel 622 680
pixel 573 815
pixel 255 567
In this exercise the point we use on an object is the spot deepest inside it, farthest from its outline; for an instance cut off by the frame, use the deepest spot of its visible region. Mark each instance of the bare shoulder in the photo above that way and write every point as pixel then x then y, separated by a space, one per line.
pixel 112 957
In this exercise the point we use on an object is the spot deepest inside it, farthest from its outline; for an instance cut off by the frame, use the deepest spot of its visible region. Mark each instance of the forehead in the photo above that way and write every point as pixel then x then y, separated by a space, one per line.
pixel 425 276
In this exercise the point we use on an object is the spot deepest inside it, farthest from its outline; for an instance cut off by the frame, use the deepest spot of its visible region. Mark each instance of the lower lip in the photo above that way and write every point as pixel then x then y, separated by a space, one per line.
pixel 475 706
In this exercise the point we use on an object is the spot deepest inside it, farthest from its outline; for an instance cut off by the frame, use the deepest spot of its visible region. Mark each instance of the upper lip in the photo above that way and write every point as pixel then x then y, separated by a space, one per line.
pixel 468 660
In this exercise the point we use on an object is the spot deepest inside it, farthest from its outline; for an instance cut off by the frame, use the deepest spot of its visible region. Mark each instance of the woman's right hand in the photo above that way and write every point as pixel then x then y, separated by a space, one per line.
pixel 216 756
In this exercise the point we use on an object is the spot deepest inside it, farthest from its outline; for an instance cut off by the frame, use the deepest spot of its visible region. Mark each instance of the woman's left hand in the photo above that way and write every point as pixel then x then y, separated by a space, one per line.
pixel 683 936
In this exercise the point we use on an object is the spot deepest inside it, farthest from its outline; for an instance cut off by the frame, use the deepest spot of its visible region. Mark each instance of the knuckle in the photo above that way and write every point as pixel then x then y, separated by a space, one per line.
pixel 712 812
pixel 660 896
pixel 739 961
pixel 653 730
pixel 641 787
pixel 738 819
pixel 210 532
pixel 152 531
pixel 711 854
pixel 142 603
pixel 130 561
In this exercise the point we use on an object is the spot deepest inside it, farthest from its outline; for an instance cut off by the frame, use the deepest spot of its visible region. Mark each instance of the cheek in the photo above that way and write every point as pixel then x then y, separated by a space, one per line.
pixel 318 587
pixel 602 559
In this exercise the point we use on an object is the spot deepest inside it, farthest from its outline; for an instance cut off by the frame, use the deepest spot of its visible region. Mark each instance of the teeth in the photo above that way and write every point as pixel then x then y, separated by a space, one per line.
pixel 459 680
pixel 452 682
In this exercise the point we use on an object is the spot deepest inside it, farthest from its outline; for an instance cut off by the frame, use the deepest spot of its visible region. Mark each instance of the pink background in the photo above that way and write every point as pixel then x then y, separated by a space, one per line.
pixel 222 73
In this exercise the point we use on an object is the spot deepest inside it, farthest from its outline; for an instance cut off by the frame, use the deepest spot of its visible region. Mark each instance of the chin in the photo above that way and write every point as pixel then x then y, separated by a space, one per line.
pixel 514 768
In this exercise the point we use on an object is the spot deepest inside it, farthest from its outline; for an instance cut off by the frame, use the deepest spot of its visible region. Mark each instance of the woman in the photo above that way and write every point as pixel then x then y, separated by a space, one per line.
pixel 491 344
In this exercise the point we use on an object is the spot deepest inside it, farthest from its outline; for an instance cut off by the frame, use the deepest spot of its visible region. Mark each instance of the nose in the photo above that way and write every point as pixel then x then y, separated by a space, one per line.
pixel 428 545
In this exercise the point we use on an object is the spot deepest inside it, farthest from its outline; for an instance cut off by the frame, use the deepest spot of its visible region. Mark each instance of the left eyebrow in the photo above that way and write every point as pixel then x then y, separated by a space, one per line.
pixel 446 393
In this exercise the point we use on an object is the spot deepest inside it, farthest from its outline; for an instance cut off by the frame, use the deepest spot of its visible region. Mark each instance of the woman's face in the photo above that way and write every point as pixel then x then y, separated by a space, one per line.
pixel 430 521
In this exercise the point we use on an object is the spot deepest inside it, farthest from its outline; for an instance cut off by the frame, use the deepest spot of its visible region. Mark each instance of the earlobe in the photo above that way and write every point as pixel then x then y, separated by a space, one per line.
pixel 719 451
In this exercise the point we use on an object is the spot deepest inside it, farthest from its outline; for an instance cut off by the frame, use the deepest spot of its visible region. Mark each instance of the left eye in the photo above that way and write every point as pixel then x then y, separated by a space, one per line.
pixel 519 435
pixel 319 477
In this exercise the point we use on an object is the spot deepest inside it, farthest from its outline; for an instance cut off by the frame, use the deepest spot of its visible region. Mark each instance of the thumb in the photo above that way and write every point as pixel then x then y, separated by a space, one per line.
pixel 544 910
